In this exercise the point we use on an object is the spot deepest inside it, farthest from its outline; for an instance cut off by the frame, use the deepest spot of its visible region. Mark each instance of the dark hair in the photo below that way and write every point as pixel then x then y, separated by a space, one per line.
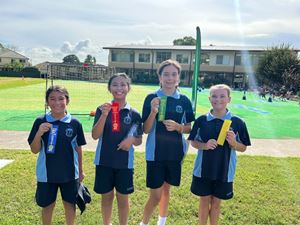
pixel 124 75
pixel 57 88
pixel 168 63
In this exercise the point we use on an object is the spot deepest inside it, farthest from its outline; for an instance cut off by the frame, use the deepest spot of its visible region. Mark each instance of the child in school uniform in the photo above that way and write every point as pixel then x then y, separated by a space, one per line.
pixel 215 164
pixel 166 145
pixel 57 137
pixel 117 126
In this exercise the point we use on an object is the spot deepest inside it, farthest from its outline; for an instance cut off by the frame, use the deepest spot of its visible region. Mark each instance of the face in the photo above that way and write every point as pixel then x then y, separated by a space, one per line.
pixel 119 88
pixel 169 78
pixel 219 99
pixel 57 102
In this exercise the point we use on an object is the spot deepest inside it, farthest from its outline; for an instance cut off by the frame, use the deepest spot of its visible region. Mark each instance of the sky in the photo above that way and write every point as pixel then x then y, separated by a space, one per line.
pixel 49 30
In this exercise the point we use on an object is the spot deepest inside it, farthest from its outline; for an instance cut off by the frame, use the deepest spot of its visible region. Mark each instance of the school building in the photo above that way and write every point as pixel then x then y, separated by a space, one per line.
pixel 234 65
pixel 8 56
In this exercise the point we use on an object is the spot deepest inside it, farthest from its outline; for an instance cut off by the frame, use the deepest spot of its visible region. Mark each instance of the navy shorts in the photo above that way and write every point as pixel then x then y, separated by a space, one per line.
pixel 46 192
pixel 204 187
pixel 108 178
pixel 159 172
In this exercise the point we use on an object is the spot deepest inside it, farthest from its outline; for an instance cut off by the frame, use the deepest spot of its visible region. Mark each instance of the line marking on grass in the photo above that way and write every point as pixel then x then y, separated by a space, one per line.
pixel 4 162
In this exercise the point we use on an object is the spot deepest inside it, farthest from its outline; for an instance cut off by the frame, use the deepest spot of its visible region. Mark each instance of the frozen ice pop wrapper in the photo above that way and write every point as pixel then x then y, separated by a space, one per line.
pixel 223 132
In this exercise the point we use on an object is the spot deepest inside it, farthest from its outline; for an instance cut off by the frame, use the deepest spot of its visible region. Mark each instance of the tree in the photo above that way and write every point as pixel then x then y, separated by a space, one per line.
pixel 274 63
pixel 291 79
pixel 90 59
pixel 71 59
pixel 14 66
pixel 187 40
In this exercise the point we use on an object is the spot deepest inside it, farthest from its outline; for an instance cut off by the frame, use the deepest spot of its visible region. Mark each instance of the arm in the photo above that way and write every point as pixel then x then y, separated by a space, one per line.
pixel 35 145
pixel 97 130
pixel 150 120
pixel 171 125
pixel 231 138
pixel 210 145
pixel 81 173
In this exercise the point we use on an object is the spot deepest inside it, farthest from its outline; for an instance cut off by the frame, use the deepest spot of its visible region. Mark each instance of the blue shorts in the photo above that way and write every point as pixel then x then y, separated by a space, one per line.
pixel 159 172
pixel 46 192
pixel 108 178
pixel 204 187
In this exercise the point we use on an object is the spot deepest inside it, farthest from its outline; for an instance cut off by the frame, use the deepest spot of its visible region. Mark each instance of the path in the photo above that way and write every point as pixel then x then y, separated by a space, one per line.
pixel 266 147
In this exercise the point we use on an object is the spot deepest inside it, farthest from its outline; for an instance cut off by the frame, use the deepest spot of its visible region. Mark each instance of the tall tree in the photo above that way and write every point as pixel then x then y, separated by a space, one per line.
pixel 274 63
pixel 71 59
pixel 187 40
pixel 90 59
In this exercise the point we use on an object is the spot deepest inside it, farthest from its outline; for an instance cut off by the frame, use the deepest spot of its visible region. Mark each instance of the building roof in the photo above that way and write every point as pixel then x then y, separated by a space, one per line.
pixel 7 53
pixel 187 47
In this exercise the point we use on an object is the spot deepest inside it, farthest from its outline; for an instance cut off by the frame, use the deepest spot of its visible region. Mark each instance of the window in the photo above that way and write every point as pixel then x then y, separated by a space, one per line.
pixel 219 59
pixel 144 57
pixel 162 56
pixel 223 60
pixel 122 56
pixel 181 58
pixel 205 58
pixel 238 60
pixel 12 60
pixel 22 60
pixel 0 59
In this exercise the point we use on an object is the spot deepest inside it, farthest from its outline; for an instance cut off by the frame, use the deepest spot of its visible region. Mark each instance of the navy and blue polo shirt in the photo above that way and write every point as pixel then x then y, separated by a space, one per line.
pixel 220 163
pixel 164 145
pixel 106 152
pixel 61 164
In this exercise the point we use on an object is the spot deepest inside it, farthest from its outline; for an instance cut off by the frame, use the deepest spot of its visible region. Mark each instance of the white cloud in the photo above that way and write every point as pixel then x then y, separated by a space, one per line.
pixel 53 29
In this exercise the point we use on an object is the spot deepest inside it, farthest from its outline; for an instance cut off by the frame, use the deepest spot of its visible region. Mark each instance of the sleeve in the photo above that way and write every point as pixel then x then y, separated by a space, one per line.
pixel 244 135
pixel 146 108
pixel 33 131
pixel 139 128
pixel 189 113
pixel 80 136
pixel 194 131
pixel 97 116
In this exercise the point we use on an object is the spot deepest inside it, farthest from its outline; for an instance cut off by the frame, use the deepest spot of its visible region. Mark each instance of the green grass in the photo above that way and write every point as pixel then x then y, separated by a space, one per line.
pixel 23 100
pixel 267 191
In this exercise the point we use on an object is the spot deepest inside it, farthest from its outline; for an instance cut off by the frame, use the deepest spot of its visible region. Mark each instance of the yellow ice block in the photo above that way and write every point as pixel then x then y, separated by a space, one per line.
pixel 223 132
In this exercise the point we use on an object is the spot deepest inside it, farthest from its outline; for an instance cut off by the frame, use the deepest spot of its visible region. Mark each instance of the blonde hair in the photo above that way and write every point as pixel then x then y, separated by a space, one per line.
pixel 168 63
pixel 220 86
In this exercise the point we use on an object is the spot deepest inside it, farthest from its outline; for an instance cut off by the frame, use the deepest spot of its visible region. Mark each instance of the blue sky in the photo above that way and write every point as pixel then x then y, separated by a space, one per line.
pixel 49 30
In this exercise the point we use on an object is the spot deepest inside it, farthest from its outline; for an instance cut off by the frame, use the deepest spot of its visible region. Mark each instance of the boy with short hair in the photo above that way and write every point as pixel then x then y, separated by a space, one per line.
pixel 215 164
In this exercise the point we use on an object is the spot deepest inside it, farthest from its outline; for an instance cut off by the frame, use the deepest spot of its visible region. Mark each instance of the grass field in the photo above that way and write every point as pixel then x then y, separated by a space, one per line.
pixel 266 192
pixel 23 100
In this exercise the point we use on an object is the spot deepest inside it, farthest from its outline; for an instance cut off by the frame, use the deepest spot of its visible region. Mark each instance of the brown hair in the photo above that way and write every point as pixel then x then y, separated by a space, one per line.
pixel 124 75
pixel 168 63
pixel 57 88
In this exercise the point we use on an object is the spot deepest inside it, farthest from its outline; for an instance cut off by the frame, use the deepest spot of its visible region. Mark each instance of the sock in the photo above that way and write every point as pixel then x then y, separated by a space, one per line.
pixel 143 223
pixel 161 220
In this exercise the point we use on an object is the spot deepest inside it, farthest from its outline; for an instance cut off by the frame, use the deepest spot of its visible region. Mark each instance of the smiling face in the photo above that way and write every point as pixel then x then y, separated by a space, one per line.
pixel 57 102
pixel 169 78
pixel 119 87
pixel 219 98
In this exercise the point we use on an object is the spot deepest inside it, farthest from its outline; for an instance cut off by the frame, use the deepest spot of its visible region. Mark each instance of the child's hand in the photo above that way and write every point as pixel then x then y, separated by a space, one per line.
pixel 81 176
pixel 126 143
pixel 155 105
pixel 171 125
pixel 43 128
pixel 231 138
pixel 211 144
pixel 105 108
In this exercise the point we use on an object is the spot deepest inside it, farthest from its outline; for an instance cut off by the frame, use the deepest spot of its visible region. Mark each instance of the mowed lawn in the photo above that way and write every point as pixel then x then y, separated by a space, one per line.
pixel 266 192
pixel 23 100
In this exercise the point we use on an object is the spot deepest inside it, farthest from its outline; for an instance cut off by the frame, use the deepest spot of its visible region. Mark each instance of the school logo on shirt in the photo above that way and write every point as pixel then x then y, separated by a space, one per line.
pixel 69 132
pixel 179 109
pixel 127 120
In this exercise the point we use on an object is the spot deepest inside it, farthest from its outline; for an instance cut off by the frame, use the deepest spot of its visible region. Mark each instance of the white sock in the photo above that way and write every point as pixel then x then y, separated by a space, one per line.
pixel 161 220
pixel 143 223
